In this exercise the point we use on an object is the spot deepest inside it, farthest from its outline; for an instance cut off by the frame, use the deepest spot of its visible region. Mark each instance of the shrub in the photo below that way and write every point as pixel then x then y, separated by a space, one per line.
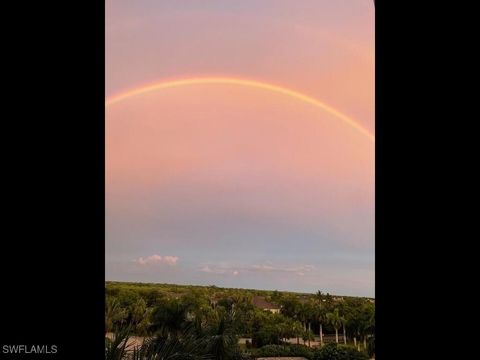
pixel 273 350
pixel 332 351
pixel 285 350
pixel 301 351
pixel 354 354
pixel 265 336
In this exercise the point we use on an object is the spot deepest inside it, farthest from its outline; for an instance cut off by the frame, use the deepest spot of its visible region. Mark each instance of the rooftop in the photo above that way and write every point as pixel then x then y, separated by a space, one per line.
pixel 260 302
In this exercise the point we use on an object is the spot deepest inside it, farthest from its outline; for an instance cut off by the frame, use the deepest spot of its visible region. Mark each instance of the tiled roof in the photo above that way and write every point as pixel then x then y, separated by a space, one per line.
pixel 260 302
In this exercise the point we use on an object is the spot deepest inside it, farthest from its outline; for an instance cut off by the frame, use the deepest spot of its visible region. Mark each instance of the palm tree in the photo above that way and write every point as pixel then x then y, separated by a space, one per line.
pixel 137 310
pixel 307 335
pixel 215 342
pixel 343 320
pixel 368 322
pixel 356 324
pixel 303 314
pixel 169 319
pixel 310 309
pixel 328 300
pixel 113 313
pixel 291 307
pixel 336 321
pixel 117 348
pixel 362 322
pixel 187 346
pixel 320 314
pixel 139 316
pixel 344 311
pixel 220 338
pixel 297 330
pixel 321 317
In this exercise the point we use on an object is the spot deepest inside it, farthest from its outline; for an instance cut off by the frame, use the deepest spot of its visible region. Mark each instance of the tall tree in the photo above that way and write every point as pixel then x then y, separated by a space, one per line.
pixel 297 330
pixel 303 314
pixel 336 321
pixel 368 321
pixel 290 306
pixel 221 341
pixel 139 316
pixel 114 313
pixel 169 318
pixel 344 331
pixel 344 311
pixel 320 313
pixel 352 312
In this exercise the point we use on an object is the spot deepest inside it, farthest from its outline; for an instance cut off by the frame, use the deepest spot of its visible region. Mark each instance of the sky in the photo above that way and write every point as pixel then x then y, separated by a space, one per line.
pixel 234 185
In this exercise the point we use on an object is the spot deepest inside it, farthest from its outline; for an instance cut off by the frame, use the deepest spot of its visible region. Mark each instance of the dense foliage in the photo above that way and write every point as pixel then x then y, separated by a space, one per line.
pixel 207 322
pixel 333 351
pixel 285 350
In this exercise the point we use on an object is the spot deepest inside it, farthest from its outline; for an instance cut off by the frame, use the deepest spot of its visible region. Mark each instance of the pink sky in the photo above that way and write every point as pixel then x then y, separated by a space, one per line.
pixel 241 187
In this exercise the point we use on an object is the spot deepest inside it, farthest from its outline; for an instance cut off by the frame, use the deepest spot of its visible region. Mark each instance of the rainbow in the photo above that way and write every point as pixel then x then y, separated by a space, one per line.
pixel 239 82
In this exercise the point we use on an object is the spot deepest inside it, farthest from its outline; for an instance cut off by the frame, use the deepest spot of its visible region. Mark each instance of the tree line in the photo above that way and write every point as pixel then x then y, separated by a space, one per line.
pixel 213 319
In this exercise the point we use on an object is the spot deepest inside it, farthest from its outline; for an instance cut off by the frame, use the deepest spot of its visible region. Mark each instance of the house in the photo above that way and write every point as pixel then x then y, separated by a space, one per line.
pixel 260 303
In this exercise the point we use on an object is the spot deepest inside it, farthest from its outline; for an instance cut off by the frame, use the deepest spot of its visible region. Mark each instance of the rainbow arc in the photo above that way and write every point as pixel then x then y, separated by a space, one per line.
pixel 239 82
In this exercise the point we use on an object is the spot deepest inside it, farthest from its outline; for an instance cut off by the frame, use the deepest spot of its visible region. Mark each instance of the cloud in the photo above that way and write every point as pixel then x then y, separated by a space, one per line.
pixel 225 268
pixel 299 270
pixel 214 269
pixel 206 269
pixel 170 260
pixel 157 259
